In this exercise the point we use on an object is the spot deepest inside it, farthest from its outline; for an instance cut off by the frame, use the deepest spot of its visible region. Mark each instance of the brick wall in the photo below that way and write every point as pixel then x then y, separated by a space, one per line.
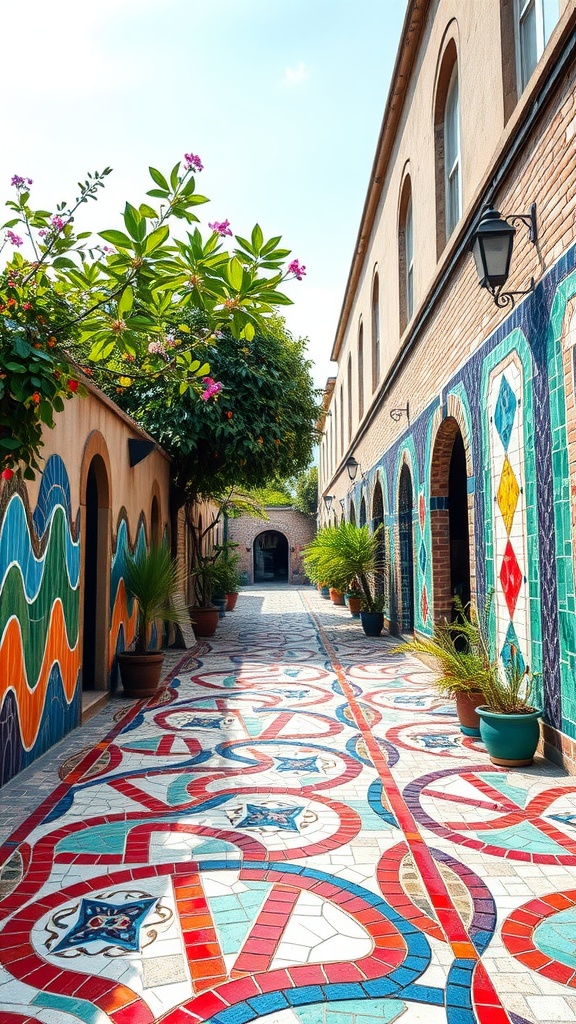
pixel 298 528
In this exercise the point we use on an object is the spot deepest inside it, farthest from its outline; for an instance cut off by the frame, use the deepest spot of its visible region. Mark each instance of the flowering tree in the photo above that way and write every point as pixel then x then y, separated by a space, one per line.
pixel 70 301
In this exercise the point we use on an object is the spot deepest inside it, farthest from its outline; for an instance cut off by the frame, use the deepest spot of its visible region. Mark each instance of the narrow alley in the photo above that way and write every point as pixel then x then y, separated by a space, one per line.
pixel 295 831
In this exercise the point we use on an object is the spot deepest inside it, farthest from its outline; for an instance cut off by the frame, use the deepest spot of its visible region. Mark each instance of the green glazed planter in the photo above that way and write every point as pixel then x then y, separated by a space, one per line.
pixel 510 740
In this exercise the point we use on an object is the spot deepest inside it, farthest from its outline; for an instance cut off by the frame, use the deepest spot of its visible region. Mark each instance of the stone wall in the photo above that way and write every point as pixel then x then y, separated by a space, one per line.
pixel 298 528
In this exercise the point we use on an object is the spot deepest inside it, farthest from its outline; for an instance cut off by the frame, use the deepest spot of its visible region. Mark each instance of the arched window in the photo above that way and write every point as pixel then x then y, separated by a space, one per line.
pixel 535 21
pixel 375 333
pixel 360 372
pixel 448 156
pixel 349 432
pixel 406 255
pixel 341 411
pixel 452 168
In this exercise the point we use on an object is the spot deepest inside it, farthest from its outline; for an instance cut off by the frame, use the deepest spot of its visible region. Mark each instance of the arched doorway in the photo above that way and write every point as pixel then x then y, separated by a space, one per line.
pixel 449 519
pixel 271 557
pixel 363 512
pixel 96 573
pixel 352 514
pixel 406 539
pixel 378 522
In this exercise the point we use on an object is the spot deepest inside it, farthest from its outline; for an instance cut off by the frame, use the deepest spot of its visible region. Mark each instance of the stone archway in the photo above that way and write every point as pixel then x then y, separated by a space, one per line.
pixel 406 548
pixel 271 557
pixel 449 519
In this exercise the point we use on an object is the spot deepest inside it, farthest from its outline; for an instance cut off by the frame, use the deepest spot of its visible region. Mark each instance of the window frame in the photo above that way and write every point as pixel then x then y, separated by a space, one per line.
pixel 452 172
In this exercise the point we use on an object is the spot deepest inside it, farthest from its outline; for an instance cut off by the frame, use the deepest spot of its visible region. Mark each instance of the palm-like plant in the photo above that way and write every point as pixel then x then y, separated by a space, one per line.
pixel 154 580
pixel 339 554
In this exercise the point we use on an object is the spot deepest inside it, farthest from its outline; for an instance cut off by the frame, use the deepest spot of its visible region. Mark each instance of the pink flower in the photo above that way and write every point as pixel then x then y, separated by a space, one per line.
pixel 193 163
pixel 212 388
pixel 57 222
pixel 14 239
pixel 108 248
pixel 298 269
pixel 156 348
pixel 42 233
pixel 20 182
pixel 221 227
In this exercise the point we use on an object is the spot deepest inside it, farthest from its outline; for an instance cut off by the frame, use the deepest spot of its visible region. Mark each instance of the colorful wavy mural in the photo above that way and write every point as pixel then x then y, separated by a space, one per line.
pixel 39 627
pixel 40 651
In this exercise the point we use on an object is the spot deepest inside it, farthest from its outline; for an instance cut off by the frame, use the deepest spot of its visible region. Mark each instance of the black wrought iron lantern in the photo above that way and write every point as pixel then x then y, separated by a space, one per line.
pixel 352 467
pixel 492 246
pixel 492 249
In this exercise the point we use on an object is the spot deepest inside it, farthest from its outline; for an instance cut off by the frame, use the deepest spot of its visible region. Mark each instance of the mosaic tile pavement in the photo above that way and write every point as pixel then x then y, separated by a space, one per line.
pixel 293 831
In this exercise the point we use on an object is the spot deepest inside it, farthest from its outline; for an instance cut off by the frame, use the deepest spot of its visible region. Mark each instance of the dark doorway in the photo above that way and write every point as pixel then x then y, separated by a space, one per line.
pixel 363 512
pixel 90 582
pixel 378 524
pixel 405 502
pixel 271 558
pixel 458 509
pixel 352 514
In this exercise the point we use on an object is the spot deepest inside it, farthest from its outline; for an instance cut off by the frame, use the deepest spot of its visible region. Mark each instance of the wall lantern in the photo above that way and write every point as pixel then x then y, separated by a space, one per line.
pixel 492 245
pixel 328 499
pixel 352 467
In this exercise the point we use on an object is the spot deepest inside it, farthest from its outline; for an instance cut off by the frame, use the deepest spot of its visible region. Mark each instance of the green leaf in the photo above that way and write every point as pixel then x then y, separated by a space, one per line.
pixel 63 263
pixel 156 238
pixel 174 176
pixel 135 225
pixel 159 178
pixel 248 332
pixel 203 370
pixel 257 237
pixel 10 444
pixel 117 238
pixel 15 367
pixel 234 273
pixel 158 193
pixel 125 302
pixel 147 211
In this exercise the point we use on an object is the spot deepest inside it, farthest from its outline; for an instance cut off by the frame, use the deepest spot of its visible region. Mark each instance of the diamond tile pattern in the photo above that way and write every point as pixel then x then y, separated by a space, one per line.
pixel 507 496
pixel 510 578
pixel 505 412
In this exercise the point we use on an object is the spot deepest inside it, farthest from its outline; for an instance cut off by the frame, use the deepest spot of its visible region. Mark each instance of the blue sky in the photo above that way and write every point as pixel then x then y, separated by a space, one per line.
pixel 282 100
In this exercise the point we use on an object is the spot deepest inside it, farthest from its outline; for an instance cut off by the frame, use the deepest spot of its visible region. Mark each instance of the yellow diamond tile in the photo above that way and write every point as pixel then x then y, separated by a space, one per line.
pixel 507 497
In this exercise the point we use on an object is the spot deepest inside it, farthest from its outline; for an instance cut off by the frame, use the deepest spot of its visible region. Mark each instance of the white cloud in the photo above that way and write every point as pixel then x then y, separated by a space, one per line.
pixel 295 76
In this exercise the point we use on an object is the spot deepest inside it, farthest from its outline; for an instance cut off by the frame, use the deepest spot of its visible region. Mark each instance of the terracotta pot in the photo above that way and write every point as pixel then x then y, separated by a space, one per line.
pixel 466 704
pixel 204 620
pixel 336 596
pixel 140 673
pixel 354 605
pixel 231 602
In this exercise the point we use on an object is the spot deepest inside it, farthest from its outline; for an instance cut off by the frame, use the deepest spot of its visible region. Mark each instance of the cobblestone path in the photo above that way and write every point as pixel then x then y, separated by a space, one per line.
pixel 293 831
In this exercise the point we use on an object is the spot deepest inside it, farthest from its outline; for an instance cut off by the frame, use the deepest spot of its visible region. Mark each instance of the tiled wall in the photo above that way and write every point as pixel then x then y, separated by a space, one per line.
pixel 40 655
pixel 511 397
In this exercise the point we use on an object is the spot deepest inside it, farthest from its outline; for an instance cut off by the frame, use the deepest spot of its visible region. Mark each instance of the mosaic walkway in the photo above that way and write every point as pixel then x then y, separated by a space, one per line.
pixel 294 831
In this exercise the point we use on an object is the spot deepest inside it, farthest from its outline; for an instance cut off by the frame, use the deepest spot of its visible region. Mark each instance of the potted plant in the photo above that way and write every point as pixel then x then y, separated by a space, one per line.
pixel 336 596
pixel 153 580
pixel 456 650
pixel 204 613
pixel 509 724
pixel 345 552
pixel 354 598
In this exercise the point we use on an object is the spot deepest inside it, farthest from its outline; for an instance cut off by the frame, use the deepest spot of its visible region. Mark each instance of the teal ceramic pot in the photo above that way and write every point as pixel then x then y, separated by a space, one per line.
pixel 372 623
pixel 325 592
pixel 510 740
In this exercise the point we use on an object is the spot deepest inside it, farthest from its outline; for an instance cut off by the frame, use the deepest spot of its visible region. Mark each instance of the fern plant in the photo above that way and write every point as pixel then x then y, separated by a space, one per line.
pixel 340 554
pixel 153 578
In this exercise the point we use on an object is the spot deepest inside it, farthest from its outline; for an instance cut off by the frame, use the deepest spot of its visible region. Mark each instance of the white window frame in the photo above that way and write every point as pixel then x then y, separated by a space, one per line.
pixel 452 172
pixel 409 258
pixel 522 8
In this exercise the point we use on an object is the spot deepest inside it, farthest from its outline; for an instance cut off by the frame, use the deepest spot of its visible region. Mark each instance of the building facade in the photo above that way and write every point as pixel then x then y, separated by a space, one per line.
pixel 64 613
pixel 271 550
pixel 460 412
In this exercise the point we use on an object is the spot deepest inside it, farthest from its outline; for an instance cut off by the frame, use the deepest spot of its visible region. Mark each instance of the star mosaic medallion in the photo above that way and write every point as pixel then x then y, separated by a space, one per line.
pixel 118 924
